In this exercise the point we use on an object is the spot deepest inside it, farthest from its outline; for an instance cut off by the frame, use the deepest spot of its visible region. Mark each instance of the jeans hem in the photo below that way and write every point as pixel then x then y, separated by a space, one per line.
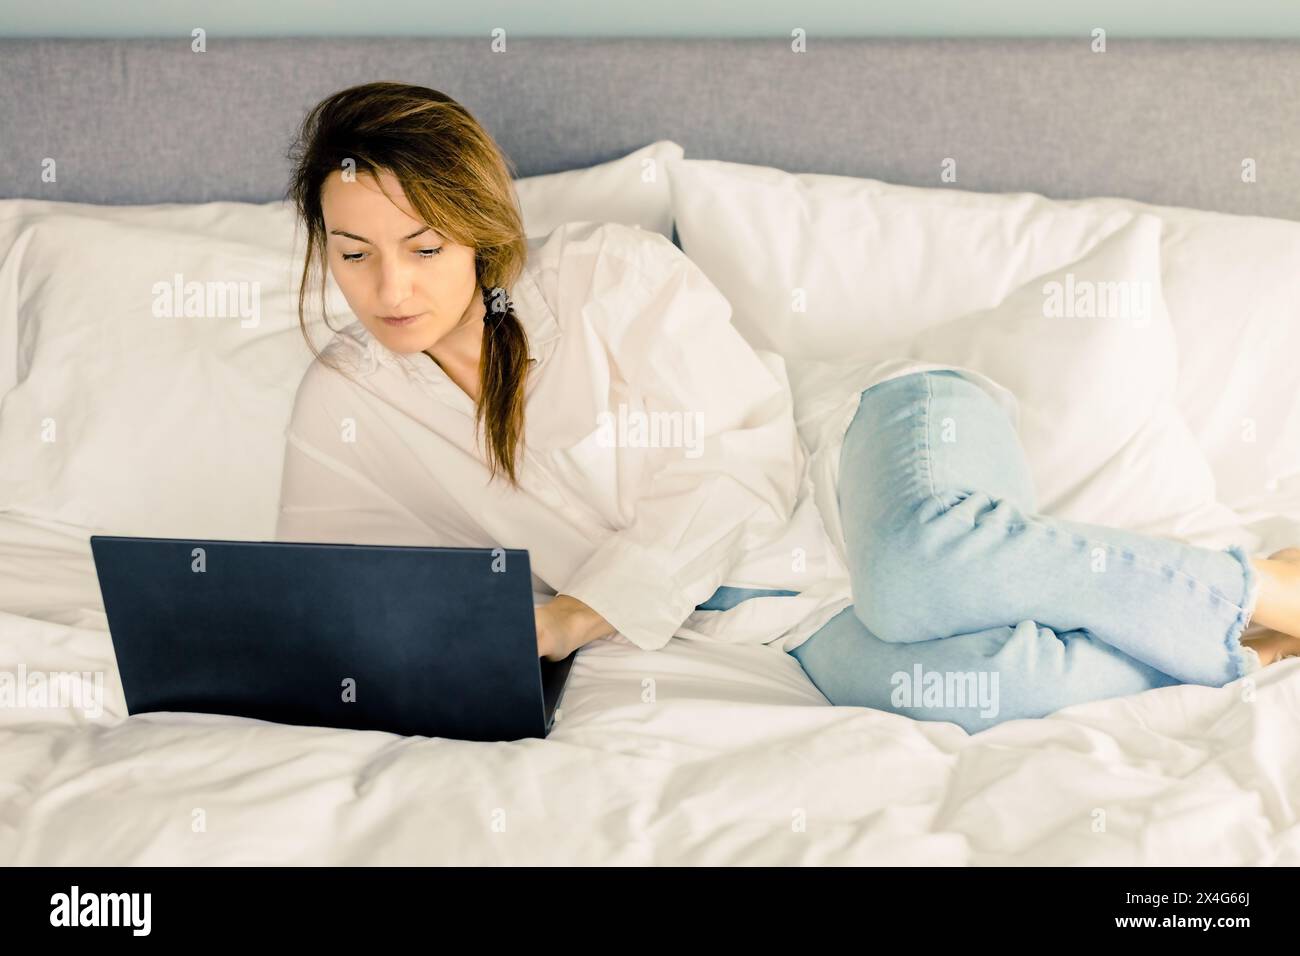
pixel 1244 657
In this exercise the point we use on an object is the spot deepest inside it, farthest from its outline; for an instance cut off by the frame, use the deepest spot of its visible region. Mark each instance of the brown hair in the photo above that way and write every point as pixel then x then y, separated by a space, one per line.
pixel 460 182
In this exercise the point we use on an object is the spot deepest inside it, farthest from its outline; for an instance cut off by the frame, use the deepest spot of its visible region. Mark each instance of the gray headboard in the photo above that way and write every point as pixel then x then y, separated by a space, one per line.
pixel 1167 121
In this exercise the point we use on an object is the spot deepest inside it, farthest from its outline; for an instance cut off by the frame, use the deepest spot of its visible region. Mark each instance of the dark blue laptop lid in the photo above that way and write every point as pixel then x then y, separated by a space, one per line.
pixel 409 640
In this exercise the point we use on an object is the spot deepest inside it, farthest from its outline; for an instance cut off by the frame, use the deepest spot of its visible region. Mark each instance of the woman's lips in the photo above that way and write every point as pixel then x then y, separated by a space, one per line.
pixel 401 319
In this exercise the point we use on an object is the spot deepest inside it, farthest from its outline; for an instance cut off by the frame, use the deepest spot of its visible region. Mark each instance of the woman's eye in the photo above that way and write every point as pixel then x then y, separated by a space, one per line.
pixel 360 256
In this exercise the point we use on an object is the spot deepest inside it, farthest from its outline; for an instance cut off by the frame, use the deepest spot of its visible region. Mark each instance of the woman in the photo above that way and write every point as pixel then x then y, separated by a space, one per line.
pixel 586 397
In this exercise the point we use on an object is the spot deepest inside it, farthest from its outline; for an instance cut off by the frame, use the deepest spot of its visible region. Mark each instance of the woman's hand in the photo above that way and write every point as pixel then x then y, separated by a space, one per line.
pixel 564 624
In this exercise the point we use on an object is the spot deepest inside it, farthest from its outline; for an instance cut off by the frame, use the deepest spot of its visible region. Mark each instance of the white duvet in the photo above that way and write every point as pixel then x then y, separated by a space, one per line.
pixel 694 754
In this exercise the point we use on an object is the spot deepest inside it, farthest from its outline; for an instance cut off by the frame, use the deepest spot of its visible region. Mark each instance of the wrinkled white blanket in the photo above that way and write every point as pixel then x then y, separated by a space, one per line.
pixel 698 753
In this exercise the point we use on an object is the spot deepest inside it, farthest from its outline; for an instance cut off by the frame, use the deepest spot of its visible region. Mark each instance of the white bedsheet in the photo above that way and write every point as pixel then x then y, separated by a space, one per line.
pixel 696 753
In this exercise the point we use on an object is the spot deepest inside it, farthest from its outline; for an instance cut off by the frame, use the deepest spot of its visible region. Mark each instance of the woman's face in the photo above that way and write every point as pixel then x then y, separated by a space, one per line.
pixel 388 263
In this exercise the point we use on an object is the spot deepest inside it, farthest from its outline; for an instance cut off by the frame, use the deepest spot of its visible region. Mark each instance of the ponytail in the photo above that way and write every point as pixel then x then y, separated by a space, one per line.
pixel 503 372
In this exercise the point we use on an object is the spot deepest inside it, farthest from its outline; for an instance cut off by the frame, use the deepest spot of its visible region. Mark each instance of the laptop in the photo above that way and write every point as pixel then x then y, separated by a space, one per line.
pixel 434 642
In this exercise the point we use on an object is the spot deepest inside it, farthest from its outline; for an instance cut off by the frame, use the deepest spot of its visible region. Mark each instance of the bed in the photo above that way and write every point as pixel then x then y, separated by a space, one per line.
pixel 697 754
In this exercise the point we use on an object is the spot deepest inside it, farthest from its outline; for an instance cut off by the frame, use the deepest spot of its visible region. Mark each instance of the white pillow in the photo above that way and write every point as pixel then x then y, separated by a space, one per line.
pixel 1090 354
pixel 868 261
pixel 831 267
pixel 1104 442
pixel 130 422
pixel 1232 285
pixel 632 190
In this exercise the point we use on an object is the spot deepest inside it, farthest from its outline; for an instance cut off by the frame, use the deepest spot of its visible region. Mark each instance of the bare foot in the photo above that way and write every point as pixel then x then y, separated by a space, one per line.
pixel 1277 605
pixel 1273 646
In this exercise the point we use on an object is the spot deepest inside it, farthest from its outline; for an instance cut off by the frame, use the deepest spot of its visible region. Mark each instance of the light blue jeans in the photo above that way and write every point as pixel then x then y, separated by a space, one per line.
pixel 971 607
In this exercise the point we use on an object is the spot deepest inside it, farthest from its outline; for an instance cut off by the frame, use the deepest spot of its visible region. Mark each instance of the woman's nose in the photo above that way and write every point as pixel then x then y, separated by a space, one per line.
pixel 394 284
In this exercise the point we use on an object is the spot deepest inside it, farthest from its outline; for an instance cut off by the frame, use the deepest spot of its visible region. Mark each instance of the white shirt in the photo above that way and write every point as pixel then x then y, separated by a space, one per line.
pixel 661 458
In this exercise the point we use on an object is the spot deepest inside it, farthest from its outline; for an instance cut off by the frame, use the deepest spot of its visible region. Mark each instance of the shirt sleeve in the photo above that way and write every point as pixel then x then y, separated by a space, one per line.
pixel 325 496
pixel 668 334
